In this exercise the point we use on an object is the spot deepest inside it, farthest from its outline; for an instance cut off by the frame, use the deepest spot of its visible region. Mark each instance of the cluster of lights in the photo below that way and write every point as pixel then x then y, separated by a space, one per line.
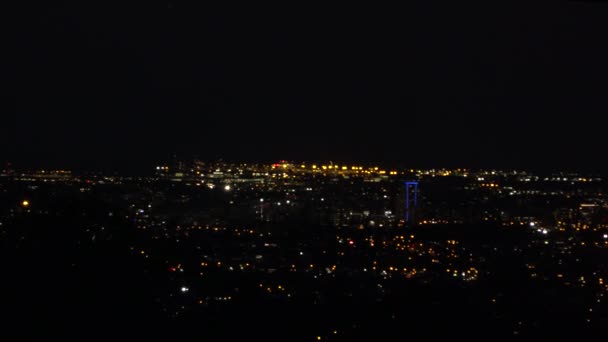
pixel 357 169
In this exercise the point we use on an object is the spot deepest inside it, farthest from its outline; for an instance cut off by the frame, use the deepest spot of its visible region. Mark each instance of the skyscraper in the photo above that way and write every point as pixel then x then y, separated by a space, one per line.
pixel 411 201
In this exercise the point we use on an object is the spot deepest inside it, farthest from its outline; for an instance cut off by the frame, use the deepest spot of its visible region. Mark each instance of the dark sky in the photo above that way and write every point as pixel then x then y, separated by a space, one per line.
pixel 122 87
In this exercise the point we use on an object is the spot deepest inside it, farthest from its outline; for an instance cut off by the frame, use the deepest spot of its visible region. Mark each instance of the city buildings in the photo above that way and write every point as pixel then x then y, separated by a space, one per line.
pixel 328 248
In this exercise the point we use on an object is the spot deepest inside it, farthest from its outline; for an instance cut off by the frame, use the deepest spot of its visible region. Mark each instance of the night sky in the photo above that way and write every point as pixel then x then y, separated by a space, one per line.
pixel 124 87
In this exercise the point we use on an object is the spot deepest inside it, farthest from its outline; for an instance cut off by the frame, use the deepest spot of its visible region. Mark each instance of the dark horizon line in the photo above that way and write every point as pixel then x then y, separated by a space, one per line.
pixel 399 166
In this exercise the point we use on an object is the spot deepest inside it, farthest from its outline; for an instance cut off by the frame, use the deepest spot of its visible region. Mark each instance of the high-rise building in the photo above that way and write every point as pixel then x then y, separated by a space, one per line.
pixel 411 202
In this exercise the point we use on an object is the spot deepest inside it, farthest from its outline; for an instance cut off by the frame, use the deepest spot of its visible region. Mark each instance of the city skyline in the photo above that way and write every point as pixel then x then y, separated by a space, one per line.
pixel 331 252
pixel 187 165
pixel 180 171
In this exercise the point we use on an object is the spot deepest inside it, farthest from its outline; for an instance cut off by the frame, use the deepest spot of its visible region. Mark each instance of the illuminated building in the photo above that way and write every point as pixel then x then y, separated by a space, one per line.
pixel 411 201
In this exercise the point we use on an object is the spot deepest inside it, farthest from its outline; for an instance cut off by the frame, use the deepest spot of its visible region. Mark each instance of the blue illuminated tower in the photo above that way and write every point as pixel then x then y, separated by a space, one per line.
pixel 411 201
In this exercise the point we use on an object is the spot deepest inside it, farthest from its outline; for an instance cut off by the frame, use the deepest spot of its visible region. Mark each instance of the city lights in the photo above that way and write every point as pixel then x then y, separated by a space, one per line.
pixel 286 229
pixel 176 171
